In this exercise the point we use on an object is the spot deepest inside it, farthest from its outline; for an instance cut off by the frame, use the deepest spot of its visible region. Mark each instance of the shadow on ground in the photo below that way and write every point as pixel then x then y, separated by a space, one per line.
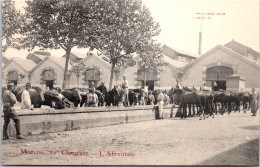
pixel 251 127
pixel 244 154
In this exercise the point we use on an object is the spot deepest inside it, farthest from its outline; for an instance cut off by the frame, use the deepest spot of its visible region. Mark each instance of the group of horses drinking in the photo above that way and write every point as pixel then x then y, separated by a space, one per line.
pixel 207 102
pixel 204 101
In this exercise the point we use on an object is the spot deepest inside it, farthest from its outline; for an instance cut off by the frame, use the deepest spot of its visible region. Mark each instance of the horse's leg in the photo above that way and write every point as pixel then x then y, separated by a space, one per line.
pixel 212 109
pixel 229 107
pixel 185 111
pixel 249 105
pixel 197 106
pixel 182 110
pixel 193 108
pixel 216 108
pixel 189 105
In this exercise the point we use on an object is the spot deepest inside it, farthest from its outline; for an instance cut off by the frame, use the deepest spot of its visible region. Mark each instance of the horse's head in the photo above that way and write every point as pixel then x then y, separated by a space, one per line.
pixel 187 89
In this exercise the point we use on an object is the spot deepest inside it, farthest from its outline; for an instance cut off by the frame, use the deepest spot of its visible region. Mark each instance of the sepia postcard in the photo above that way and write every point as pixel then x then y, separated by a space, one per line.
pixel 130 82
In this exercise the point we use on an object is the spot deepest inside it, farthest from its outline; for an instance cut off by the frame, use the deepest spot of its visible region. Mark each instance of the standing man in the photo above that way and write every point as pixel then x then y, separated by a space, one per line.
pixel 26 99
pixel 9 101
pixel 179 86
pixel 126 91
pixel 160 104
pixel 93 99
pixel 254 101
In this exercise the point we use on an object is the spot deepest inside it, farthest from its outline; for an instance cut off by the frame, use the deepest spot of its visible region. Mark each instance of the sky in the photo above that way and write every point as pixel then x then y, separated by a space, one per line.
pixel 181 21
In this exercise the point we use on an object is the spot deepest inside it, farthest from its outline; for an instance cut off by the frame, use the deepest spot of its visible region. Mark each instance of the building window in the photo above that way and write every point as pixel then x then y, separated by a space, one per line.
pixel 92 76
pixel 48 78
pixel 218 73
pixel 151 77
pixel 182 58
pixel 13 77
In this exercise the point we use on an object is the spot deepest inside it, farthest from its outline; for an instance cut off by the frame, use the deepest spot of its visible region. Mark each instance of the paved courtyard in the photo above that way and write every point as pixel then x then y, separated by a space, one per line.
pixel 224 140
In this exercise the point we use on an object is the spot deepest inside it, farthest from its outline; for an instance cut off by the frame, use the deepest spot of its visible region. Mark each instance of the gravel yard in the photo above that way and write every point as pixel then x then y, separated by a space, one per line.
pixel 224 140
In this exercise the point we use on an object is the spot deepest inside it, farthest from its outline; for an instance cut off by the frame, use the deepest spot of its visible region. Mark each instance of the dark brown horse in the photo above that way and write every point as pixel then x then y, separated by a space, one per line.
pixel 35 93
pixel 72 95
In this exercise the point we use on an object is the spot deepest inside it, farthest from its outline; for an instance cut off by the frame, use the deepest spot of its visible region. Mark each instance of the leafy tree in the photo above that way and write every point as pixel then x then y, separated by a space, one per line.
pixel 11 21
pixel 150 57
pixel 58 24
pixel 78 69
pixel 121 27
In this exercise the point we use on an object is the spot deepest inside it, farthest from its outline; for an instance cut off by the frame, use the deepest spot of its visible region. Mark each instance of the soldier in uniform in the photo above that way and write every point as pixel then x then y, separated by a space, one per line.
pixel 93 99
pixel 26 99
pixel 126 91
pixel 9 101
pixel 160 104
pixel 254 101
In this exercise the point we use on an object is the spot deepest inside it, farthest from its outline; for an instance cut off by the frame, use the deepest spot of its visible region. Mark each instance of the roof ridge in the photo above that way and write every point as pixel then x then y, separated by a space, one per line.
pixel 194 55
pixel 221 46
pixel 241 44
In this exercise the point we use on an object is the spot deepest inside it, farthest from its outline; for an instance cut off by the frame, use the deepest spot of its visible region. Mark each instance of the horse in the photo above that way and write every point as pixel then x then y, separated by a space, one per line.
pixel 114 96
pixel 72 95
pixel 36 95
pixel 54 99
pixel 133 96
pixel 103 90
pixel 244 98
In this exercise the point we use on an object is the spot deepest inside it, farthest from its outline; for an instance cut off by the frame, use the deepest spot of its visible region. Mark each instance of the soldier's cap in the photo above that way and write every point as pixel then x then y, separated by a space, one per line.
pixel 10 84
pixel 28 84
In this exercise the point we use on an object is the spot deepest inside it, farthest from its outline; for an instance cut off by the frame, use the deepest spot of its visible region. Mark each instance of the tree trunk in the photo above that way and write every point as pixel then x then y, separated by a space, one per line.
pixel 144 78
pixel 66 67
pixel 77 82
pixel 111 76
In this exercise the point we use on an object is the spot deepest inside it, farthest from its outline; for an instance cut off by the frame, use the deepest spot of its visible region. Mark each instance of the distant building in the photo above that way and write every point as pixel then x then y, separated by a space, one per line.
pixel 44 70
pixel 17 70
pixel 179 55
pixel 212 68
pixel 37 56
pixel 76 57
pixel 4 61
pixel 243 50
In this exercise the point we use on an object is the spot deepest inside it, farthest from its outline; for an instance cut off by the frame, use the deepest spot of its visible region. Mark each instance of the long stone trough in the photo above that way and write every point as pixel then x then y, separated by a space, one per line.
pixel 47 120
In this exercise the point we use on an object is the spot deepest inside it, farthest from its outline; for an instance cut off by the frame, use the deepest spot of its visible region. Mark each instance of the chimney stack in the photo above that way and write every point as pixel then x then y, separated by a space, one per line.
pixel 200 36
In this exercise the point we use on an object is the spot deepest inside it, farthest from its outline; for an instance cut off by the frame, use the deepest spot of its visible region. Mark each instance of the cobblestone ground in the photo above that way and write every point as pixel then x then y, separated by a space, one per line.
pixel 224 140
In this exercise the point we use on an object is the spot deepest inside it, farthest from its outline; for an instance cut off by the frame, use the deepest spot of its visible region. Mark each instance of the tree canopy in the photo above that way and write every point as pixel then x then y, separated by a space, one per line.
pixel 11 21
pixel 150 57
pixel 58 24
pixel 121 28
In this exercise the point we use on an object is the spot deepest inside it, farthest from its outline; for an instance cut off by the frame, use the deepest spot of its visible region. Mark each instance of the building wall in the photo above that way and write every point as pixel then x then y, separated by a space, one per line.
pixel 94 62
pixel 165 79
pixel 168 77
pixel 13 66
pixel 195 74
pixel 36 78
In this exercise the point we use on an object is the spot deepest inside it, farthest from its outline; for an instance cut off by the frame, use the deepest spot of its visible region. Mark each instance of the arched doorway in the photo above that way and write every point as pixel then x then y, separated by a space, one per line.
pixel 48 78
pixel 151 77
pixel 92 76
pixel 13 77
pixel 217 76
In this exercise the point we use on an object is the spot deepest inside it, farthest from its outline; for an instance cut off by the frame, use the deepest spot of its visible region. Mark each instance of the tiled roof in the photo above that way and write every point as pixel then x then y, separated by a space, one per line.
pixel 101 58
pixel 5 60
pixel 173 62
pixel 255 63
pixel 39 54
pixel 79 55
pixel 165 47
pixel 27 64
pixel 252 61
pixel 60 61
pixel 241 46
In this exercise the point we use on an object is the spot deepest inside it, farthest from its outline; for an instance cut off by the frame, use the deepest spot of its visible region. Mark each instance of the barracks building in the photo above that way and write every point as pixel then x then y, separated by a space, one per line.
pixel 214 69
